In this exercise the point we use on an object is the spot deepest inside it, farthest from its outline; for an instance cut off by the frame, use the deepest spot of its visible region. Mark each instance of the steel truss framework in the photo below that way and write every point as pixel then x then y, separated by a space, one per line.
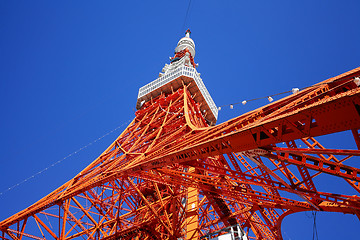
pixel 169 175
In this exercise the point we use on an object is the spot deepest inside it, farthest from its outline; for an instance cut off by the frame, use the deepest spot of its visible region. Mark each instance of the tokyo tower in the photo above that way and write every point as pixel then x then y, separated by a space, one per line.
pixel 174 174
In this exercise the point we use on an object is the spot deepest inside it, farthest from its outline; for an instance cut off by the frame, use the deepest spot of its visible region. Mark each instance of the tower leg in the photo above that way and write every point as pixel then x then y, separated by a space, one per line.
pixel 192 218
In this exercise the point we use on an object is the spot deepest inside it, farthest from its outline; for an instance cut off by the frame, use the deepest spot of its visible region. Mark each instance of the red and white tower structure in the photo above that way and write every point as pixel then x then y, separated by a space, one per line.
pixel 174 174
pixel 181 71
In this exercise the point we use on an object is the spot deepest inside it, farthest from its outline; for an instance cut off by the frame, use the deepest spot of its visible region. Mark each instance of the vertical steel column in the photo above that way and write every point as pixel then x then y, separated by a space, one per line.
pixel 192 217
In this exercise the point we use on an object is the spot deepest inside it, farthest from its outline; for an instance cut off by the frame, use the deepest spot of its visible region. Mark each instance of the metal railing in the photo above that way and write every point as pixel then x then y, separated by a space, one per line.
pixel 176 73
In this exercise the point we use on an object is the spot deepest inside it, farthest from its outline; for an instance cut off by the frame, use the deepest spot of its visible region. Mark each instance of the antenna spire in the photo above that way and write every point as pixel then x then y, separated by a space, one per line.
pixel 187 33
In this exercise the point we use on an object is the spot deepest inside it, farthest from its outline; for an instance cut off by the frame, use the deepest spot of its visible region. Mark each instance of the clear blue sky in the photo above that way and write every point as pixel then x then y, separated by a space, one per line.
pixel 70 72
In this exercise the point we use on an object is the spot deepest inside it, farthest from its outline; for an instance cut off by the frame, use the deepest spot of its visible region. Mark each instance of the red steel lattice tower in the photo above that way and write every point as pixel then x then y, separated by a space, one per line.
pixel 174 174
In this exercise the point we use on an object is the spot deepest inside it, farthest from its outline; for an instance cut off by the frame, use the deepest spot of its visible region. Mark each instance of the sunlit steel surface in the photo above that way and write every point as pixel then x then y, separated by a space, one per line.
pixel 170 175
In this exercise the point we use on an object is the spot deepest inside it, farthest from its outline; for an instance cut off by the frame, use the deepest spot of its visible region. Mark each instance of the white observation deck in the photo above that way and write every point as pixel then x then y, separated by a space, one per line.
pixel 178 72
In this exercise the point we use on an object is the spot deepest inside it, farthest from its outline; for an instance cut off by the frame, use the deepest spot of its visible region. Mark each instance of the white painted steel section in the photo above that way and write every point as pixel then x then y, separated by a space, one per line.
pixel 176 73
pixel 234 232
pixel 224 237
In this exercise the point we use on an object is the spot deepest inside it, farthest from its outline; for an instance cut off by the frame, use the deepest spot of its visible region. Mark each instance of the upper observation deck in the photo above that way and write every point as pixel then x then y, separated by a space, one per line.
pixel 181 70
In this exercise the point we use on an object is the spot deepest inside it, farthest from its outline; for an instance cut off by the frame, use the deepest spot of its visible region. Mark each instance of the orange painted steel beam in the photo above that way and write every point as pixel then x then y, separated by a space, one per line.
pixel 315 151
pixel 137 188
pixel 318 164
pixel 288 127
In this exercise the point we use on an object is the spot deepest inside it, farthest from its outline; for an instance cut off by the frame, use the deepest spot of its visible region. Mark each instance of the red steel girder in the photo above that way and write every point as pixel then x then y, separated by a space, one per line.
pixel 137 187
pixel 335 114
